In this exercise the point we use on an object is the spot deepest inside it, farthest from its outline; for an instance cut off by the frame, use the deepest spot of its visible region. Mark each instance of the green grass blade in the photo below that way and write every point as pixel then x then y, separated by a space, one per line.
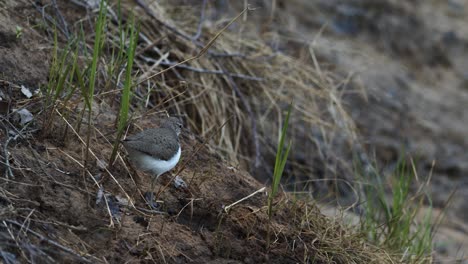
pixel 277 172
pixel 280 163
pixel 126 94
pixel 98 44
pixel 96 50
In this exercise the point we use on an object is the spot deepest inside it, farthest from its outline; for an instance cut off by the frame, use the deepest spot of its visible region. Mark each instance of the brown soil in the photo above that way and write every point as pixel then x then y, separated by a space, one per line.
pixel 50 196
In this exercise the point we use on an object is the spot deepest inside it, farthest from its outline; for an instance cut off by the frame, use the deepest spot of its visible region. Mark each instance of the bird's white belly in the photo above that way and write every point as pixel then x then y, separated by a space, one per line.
pixel 157 166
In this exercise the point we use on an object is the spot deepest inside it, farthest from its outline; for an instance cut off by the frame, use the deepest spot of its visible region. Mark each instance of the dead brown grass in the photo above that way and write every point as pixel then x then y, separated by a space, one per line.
pixel 244 76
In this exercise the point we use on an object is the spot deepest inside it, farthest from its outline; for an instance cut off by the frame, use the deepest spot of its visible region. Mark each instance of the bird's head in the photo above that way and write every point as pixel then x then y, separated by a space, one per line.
pixel 173 123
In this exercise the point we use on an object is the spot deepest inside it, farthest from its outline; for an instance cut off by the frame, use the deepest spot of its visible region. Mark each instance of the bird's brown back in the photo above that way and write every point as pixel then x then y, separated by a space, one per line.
pixel 160 143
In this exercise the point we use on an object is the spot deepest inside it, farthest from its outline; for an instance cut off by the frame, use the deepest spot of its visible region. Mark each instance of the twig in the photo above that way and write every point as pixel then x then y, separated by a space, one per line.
pixel 150 12
pixel 241 55
pixel 162 254
pixel 187 204
pixel 256 162
pixel 202 51
pixel 10 232
pixel 226 208
pixel 160 53
pixel 200 70
pixel 7 257
pixel 47 17
pixel 200 23
pixel 43 238
pixel 78 3
pixel 62 19
pixel 149 46
pixel 5 148
pixel 139 209
pixel 8 172
pixel 187 37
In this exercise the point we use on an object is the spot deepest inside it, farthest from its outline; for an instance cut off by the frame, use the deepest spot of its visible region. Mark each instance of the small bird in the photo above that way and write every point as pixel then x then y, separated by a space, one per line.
pixel 156 150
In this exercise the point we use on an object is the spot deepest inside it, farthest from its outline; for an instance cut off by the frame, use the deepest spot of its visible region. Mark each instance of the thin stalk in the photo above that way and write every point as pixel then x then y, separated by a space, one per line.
pixel 98 42
pixel 126 94
pixel 280 162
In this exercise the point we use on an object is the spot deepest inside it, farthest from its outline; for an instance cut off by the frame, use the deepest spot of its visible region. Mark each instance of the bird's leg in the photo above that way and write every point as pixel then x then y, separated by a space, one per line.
pixel 150 197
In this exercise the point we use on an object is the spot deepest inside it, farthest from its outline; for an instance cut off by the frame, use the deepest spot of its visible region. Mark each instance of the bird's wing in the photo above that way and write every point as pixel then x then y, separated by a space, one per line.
pixel 154 143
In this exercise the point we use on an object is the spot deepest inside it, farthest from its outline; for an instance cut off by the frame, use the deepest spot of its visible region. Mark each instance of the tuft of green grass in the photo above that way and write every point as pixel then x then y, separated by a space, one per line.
pixel 98 44
pixel 66 76
pixel 125 100
pixel 390 217
pixel 280 162
pixel 60 73
pixel 19 31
